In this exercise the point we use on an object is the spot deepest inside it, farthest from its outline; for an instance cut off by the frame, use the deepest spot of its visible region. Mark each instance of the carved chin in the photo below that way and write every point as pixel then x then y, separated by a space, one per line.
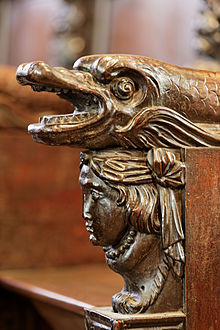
pixel 93 239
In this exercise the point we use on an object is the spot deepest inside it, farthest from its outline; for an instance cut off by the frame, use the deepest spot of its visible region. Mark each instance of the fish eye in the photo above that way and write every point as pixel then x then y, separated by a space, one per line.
pixel 123 88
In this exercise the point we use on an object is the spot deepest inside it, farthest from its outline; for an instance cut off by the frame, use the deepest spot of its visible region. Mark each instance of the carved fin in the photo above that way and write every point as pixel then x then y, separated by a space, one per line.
pixel 164 127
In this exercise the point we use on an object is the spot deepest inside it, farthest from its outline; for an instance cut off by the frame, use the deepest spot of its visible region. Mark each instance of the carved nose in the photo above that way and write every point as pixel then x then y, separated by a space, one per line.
pixel 87 216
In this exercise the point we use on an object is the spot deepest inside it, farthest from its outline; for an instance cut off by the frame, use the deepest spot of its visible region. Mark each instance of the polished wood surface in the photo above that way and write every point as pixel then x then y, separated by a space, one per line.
pixel 70 288
pixel 134 102
pixel 104 318
pixel 202 227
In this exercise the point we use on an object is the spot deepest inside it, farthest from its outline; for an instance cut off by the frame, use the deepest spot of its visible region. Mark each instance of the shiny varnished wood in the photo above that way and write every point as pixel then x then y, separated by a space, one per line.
pixel 133 102
pixel 130 208
pixel 126 101
pixel 202 217
pixel 104 318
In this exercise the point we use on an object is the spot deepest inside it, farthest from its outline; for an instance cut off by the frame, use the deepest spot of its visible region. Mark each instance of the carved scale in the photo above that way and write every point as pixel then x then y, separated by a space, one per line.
pixel 134 114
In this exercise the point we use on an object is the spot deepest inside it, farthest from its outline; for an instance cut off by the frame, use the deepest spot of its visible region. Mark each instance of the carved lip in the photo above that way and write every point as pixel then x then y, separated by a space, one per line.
pixel 89 227
pixel 77 87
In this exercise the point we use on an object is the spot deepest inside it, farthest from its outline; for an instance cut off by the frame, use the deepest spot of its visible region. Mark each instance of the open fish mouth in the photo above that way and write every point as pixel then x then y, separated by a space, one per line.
pixel 88 108
pixel 76 87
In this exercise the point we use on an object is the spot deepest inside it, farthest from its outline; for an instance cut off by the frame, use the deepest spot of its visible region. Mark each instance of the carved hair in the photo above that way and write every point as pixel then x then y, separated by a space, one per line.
pixel 141 204
pixel 132 179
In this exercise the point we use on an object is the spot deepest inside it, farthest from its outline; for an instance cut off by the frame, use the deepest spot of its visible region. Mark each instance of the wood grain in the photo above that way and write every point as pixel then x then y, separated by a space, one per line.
pixel 202 238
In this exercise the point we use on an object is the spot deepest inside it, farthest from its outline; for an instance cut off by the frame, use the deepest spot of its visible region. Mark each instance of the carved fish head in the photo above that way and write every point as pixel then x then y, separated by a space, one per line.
pixel 119 100
pixel 105 91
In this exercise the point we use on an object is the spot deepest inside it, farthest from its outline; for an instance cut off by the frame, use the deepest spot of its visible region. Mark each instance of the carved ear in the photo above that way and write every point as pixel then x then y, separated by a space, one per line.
pixel 163 127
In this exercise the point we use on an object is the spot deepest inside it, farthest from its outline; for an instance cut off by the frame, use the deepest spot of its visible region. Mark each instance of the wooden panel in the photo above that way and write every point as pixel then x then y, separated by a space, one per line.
pixel 40 205
pixel 202 238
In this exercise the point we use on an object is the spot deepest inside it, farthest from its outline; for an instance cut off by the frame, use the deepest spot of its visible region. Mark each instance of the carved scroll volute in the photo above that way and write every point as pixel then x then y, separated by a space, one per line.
pixel 140 226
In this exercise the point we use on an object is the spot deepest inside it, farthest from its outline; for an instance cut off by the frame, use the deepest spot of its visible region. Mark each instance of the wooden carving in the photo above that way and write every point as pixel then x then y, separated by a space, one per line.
pixel 130 208
pixel 127 101
pixel 134 114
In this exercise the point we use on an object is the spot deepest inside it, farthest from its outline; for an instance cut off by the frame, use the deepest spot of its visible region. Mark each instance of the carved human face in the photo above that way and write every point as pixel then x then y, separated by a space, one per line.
pixel 105 221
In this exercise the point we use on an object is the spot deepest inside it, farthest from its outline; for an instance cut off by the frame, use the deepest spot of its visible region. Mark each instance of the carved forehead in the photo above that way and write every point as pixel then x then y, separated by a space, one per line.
pixel 88 178
pixel 109 60
pixel 119 166
pixel 104 67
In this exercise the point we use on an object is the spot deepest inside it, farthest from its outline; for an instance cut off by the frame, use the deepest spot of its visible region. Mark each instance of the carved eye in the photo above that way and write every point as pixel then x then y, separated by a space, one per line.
pixel 96 195
pixel 123 88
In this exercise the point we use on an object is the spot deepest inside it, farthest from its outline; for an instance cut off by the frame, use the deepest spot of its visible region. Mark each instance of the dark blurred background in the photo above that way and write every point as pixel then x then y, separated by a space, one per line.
pixel 59 31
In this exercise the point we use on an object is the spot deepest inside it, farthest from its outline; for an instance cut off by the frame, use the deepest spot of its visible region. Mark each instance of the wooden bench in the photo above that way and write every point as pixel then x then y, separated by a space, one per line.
pixel 61 294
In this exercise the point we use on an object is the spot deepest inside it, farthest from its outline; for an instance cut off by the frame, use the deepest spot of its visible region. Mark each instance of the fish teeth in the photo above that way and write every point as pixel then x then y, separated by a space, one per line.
pixel 44 120
pixel 37 88
pixel 76 118
pixel 51 120
pixel 66 119
pixel 61 120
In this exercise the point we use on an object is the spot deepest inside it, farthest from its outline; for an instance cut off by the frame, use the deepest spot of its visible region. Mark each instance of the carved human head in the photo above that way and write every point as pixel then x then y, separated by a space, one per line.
pixel 124 177
pixel 129 188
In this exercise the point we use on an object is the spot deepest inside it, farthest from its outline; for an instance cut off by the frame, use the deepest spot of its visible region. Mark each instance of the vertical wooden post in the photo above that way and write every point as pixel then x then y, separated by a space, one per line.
pixel 202 229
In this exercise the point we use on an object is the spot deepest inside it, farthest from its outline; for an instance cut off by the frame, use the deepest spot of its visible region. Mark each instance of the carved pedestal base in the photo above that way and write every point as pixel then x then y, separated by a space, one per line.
pixel 104 318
